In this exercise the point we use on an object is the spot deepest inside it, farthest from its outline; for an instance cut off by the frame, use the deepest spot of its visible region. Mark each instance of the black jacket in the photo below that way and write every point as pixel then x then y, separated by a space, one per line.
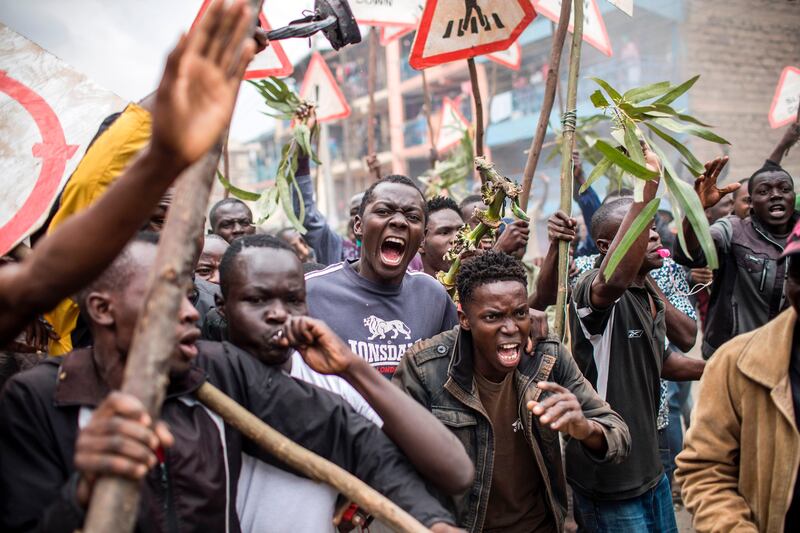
pixel 195 487
pixel 748 288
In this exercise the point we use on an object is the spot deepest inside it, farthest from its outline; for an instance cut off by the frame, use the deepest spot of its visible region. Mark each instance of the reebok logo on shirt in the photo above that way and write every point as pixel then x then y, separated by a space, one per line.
pixel 635 333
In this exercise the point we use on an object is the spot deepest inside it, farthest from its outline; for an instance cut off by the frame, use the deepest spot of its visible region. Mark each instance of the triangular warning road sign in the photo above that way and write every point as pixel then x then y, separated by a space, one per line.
pixel 451 30
pixel 392 33
pixel 510 57
pixel 320 87
pixel 383 13
pixel 787 97
pixel 272 61
pixel 594 27
pixel 452 124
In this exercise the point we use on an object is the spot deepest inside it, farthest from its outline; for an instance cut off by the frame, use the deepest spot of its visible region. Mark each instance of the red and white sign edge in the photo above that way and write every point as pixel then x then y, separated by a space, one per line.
pixel 386 13
pixel 272 61
pixel 594 27
pixel 511 57
pixel 419 61
pixel 626 6
pixel 452 124
pixel 331 104
pixel 783 110
pixel 393 33
pixel 50 114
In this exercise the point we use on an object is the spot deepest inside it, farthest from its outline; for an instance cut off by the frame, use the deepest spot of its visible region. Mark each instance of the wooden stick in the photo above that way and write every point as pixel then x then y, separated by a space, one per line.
pixel 226 165
pixel 476 95
pixel 308 463
pixel 372 74
pixel 566 163
pixel 535 151
pixel 115 501
pixel 428 109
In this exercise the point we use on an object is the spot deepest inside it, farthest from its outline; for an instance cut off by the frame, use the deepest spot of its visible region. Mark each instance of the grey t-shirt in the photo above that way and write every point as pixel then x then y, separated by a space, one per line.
pixel 379 322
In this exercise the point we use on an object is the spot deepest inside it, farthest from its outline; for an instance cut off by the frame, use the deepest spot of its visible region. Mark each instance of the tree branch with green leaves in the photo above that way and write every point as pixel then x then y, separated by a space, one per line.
pixel 650 107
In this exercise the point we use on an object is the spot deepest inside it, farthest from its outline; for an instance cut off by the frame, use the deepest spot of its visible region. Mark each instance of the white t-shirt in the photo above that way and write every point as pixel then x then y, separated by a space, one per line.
pixel 272 500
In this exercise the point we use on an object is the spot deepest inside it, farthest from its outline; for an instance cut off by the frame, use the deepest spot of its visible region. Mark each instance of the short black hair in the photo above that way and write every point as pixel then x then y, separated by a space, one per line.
pixel 488 267
pixel 238 246
pixel 620 192
pixel 119 272
pixel 438 203
pixel 768 167
pixel 471 199
pixel 212 214
pixel 604 213
pixel 393 178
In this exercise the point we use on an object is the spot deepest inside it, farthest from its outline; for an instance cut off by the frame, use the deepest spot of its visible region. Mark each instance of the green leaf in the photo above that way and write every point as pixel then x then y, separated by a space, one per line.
pixel 266 205
pixel 619 159
pixel 286 202
pixel 695 166
pixel 697 131
pixel 614 94
pixel 599 170
pixel 688 202
pixel 632 142
pixel 598 99
pixel 641 223
pixel 690 118
pixel 676 92
pixel 241 194
pixel 639 94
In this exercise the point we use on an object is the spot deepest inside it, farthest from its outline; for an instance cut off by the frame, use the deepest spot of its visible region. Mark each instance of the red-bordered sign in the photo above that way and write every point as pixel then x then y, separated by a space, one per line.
pixel 386 14
pixel 320 86
pixel 511 57
pixel 272 61
pixel 452 124
pixel 393 33
pixel 450 30
pixel 594 27
pixel 54 153
pixel 783 110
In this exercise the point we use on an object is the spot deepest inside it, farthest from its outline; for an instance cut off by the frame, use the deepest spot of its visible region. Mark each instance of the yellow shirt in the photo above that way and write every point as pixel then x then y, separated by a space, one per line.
pixel 103 162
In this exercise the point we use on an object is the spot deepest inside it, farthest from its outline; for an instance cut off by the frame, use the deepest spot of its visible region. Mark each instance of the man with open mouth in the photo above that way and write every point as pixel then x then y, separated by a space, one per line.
pixel 748 287
pixel 374 304
pixel 478 380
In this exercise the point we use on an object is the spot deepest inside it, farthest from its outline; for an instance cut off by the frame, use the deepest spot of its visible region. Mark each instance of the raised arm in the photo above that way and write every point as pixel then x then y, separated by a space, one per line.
pixel 706 188
pixel 327 244
pixel 560 227
pixel 788 140
pixel 193 106
pixel 433 450
pixel 604 292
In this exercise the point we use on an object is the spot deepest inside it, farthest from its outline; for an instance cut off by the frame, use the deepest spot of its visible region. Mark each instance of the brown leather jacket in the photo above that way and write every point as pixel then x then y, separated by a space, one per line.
pixel 742 452
pixel 438 373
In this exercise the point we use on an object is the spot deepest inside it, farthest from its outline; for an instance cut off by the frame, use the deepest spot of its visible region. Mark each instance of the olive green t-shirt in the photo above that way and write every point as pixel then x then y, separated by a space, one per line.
pixel 517 496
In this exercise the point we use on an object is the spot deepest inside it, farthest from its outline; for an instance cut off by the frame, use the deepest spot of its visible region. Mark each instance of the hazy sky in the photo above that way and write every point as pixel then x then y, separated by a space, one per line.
pixel 122 44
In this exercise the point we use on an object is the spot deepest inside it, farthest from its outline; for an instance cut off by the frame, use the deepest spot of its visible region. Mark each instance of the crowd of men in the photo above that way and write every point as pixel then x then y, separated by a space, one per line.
pixel 468 415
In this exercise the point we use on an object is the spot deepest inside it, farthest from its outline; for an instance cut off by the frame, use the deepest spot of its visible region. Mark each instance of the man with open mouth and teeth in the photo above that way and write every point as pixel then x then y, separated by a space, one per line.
pixel 478 381
pixel 748 288
pixel 619 330
pixel 376 306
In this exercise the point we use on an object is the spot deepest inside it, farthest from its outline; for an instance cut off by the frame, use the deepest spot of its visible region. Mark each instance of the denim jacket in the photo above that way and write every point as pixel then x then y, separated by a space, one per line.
pixel 438 373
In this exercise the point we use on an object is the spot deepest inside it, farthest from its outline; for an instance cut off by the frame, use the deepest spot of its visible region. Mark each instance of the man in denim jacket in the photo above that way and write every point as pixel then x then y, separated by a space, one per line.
pixel 479 379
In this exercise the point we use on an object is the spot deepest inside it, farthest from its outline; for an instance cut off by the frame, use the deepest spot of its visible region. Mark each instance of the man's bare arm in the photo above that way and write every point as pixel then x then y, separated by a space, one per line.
pixel 604 292
pixel 706 188
pixel 788 140
pixel 192 107
pixel 681 329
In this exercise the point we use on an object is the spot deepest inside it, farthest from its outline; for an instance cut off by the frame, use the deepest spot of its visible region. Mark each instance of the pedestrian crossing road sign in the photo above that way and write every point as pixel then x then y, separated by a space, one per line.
pixel 459 29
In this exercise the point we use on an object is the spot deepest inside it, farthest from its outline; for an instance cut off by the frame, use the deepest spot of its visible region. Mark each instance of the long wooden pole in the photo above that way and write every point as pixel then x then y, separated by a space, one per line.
pixel 428 109
pixel 308 463
pixel 566 163
pixel 372 74
pixel 559 36
pixel 115 501
pixel 476 95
